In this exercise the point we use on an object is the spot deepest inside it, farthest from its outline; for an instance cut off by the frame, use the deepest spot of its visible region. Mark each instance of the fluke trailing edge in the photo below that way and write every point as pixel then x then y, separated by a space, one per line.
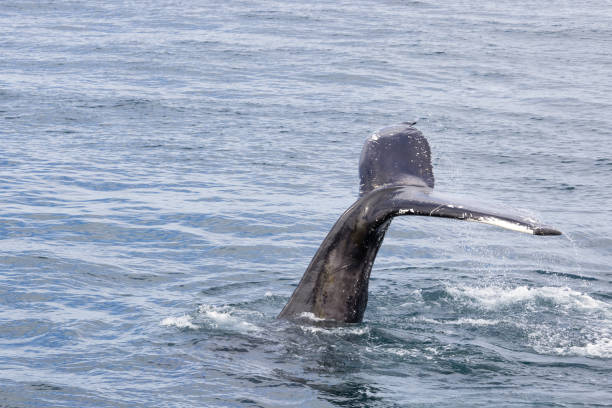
pixel 396 179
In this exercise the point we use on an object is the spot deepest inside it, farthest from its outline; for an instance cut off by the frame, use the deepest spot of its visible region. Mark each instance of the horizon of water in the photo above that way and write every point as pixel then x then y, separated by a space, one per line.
pixel 168 170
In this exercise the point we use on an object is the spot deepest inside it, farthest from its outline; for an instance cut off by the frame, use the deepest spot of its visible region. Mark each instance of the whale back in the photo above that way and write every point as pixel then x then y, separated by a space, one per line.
pixel 395 155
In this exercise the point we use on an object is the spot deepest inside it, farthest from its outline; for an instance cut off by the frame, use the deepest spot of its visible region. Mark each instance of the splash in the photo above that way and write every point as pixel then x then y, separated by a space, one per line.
pixel 182 322
pixel 594 342
pixel 473 322
pixel 496 297
pixel 599 348
pixel 337 331
pixel 581 327
pixel 223 317
pixel 401 352
pixel 311 316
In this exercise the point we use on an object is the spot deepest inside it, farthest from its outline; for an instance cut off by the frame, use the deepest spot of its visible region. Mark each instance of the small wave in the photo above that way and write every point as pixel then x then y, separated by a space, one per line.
pixel 473 322
pixel 428 353
pixel 600 348
pixel 402 352
pixel 211 316
pixel 320 325
pixel 459 322
pixel 338 331
pixel 496 297
pixel 183 322
pixel 311 316
pixel 594 342
pixel 223 317
pixel 416 296
pixel 421 319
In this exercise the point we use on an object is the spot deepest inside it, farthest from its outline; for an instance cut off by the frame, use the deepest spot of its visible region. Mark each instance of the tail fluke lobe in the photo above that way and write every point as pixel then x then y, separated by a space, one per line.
pixel 412 200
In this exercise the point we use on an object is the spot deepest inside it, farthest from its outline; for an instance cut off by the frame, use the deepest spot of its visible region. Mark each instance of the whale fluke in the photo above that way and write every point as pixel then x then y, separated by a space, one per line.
pixel 396 178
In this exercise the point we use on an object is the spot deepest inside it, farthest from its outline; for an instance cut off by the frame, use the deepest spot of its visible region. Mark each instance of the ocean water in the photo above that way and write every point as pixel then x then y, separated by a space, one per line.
pixel 169 168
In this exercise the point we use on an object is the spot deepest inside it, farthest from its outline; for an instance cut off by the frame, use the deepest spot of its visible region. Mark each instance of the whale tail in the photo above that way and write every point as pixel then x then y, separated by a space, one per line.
pixel 397 160
pixel 396 179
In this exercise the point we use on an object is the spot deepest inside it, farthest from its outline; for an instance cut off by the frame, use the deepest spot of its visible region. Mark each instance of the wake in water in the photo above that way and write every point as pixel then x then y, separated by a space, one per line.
pixel 547 320
pixel 215 318
pixel 497 297
pixel 550 320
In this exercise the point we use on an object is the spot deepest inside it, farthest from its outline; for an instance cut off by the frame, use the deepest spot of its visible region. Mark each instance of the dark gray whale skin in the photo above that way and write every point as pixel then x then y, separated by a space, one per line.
pixel 396 178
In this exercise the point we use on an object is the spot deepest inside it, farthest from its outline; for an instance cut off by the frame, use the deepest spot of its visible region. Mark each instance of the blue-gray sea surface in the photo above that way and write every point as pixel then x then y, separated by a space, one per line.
pixel 168 169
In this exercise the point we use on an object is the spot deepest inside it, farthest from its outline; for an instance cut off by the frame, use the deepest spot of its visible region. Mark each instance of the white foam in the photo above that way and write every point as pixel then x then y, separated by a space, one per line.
pixel 424 320
pixel 416 296
pixel 593 341
pixel 428 353
pixel 183 322
pixel 339 331
pixel 599 348
pixel 402 352
pixel 494 297
pixel 222 317
pixel 433 350
pixel 474 322
pixel 311 316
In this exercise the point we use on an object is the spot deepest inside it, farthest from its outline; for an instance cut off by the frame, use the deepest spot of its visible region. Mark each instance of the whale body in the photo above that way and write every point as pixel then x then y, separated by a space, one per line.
pixel 396 178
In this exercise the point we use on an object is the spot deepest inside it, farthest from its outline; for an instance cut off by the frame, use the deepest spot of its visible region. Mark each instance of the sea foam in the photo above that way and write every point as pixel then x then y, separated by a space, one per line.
pixel 223 317
pixel 182 322
pixel 493 297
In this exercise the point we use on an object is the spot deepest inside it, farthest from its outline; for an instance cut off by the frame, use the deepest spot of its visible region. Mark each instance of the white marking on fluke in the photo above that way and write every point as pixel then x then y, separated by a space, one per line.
pixel 503 224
